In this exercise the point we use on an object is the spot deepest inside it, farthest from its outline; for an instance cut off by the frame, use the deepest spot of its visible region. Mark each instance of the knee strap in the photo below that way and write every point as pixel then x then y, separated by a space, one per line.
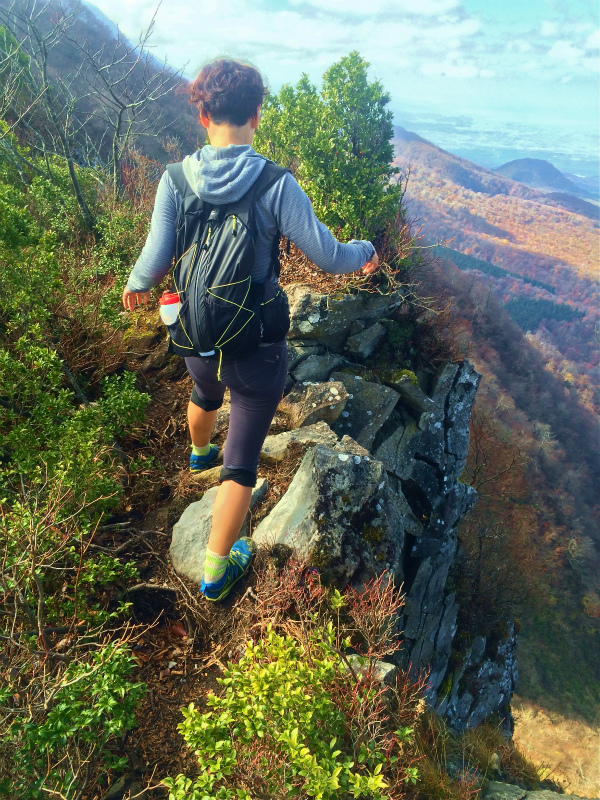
pixel 202 402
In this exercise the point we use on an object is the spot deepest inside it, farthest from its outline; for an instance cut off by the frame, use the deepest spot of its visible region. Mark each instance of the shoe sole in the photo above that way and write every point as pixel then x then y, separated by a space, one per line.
pixel 230 587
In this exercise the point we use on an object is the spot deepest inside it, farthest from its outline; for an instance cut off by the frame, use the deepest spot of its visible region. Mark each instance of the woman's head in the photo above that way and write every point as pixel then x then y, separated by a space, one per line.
pixel 228 91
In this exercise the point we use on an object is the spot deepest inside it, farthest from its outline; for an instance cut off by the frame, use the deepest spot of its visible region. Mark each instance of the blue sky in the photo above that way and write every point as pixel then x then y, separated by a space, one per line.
pixel 488 76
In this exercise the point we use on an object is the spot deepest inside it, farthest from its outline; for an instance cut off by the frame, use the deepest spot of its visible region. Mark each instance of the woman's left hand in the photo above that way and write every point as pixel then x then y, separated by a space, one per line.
pixel 371 265
pixel 131 298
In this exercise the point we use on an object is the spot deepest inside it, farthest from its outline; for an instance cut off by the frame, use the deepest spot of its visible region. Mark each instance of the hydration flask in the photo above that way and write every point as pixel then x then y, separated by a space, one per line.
pixel 169 307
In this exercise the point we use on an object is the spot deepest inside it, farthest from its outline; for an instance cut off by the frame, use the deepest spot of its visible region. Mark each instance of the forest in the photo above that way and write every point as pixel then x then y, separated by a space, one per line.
pixel 95 626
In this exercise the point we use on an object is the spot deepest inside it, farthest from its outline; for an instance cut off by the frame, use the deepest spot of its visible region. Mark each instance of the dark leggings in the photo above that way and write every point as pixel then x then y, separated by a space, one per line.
pixel 256 382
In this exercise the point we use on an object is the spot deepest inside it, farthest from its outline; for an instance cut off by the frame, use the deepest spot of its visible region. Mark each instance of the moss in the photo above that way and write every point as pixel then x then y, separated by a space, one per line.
pixel 319 558
pixel 446 686
pixel 401 374
pixel 372 533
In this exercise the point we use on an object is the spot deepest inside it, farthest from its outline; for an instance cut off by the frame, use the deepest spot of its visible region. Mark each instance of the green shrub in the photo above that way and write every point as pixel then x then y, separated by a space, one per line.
pixel 90 704
pixel 338 142
pixel 296 719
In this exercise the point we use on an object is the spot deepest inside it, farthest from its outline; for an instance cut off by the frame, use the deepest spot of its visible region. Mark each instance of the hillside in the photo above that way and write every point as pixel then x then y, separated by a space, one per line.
pixel 511 256
pixel 534 251
pixel 540 174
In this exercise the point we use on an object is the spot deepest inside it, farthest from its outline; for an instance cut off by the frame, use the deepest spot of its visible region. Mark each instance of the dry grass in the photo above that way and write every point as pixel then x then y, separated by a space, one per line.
pixel 566 749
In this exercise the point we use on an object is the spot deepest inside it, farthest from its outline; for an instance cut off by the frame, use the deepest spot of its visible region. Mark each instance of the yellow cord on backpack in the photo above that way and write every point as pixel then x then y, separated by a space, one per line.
pixel 219 368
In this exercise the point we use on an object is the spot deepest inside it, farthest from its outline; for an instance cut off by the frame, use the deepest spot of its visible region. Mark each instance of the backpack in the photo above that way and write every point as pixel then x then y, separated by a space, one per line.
pixel 222 308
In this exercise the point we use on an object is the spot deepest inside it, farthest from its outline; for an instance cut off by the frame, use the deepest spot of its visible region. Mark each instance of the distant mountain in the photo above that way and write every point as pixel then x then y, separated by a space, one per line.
pixel 591 185
pixel 540 174
pixel 412 149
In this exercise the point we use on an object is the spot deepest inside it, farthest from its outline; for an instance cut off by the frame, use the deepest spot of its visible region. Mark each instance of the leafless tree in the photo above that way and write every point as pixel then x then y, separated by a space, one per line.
pixel 89 112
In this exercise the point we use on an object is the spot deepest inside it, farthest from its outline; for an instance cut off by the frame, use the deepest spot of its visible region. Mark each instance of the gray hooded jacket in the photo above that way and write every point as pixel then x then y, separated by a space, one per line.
pixel 221 175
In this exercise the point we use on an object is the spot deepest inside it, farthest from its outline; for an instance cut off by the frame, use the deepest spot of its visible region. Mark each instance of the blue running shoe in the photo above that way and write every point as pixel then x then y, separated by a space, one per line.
pixel 238 564
pixel 200 463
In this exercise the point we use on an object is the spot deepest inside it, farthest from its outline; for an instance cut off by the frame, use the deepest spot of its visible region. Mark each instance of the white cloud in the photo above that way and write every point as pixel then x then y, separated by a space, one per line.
pixel 593 41
pixel 549 28
pixel 565 52
pixel 450 70
pixel 424 8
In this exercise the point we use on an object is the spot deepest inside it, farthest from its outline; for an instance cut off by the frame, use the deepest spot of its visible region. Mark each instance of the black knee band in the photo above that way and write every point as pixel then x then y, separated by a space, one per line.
pixel 202 402
pixel 245 477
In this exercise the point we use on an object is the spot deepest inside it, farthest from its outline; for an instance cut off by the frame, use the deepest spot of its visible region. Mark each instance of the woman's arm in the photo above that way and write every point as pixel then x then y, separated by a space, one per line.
pixel 157 255
pixel 297 221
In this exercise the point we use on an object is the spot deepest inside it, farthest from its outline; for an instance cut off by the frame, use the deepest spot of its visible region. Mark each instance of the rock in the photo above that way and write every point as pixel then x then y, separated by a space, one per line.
pixel 190 533
pixel 339 515
pixel 329 318
pixel 348 445
pixel 368 407
pixel 275 447
pixel 384 671
pixel 364 343
pixel 504 791
pixel 317 367
pixel 208 475
pixel 397 452
pixel 298 352
pixel 308 403
pixel 410 393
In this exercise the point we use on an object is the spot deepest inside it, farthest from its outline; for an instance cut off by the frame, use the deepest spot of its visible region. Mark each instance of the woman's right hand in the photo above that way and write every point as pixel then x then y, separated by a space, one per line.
pixel 371 265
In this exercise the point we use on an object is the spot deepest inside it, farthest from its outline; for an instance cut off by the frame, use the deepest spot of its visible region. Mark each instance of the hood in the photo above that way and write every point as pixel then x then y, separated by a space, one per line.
pixel 221 175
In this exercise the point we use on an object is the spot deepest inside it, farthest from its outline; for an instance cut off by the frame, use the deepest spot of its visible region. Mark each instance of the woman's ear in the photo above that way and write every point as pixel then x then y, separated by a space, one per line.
pixel 255 119
pixel 204 120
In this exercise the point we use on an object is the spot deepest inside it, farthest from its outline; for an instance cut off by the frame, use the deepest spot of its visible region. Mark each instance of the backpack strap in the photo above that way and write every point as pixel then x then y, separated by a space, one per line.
pixel 177 175
pixel 269 175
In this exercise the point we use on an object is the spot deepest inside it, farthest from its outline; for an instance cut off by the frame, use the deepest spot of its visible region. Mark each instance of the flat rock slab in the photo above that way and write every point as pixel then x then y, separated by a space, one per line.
pixel 190 533
pixel 507 791
pixel 309 403
pixel 317 367
pixel 298 352
pixel 275 447
pixel 364 343
pixel 410 392
pixel 385 672
pixel 329 318
pixel 368 407
pixel 398 451
pixel 340 516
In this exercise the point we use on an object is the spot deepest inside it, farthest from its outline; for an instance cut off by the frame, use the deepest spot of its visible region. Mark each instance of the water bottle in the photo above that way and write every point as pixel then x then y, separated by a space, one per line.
pixel 169 307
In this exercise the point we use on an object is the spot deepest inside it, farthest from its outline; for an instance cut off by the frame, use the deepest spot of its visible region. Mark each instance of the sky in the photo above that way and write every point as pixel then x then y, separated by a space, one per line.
pixel 488 79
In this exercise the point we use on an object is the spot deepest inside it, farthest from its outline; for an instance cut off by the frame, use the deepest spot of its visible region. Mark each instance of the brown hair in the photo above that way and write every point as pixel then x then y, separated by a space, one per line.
pixel 228 91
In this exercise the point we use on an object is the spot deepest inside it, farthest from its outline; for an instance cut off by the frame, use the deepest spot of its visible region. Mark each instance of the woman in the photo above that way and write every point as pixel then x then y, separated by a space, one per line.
pixel 228 95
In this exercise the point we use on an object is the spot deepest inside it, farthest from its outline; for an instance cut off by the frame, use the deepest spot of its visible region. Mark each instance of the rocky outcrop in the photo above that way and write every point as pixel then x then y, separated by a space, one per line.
pixel 190 533
pixel 507 791
pixel 379 488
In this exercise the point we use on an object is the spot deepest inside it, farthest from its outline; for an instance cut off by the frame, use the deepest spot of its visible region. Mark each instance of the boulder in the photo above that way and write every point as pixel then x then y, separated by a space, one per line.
pixel 329 318
pixel 368 407
pixel 411 395
pixel 275 447
pixel 308 403
pixel 364 343
pixel 190 533
pixel 340 516
pixel 317 367
pixel 385 672
pixel 397 452
pixel 297 352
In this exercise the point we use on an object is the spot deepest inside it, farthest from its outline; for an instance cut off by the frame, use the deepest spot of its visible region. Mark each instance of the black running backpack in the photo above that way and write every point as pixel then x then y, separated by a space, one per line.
pixel 222 308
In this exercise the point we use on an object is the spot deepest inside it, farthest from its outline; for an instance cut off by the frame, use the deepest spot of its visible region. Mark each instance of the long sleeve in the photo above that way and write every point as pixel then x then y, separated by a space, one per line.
pixel 296 220
pixel 157 254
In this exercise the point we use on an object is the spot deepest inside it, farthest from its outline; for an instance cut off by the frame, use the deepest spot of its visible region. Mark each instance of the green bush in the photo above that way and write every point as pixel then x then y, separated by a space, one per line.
pixel 53 745
pixel 296 718
pixel 338 142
